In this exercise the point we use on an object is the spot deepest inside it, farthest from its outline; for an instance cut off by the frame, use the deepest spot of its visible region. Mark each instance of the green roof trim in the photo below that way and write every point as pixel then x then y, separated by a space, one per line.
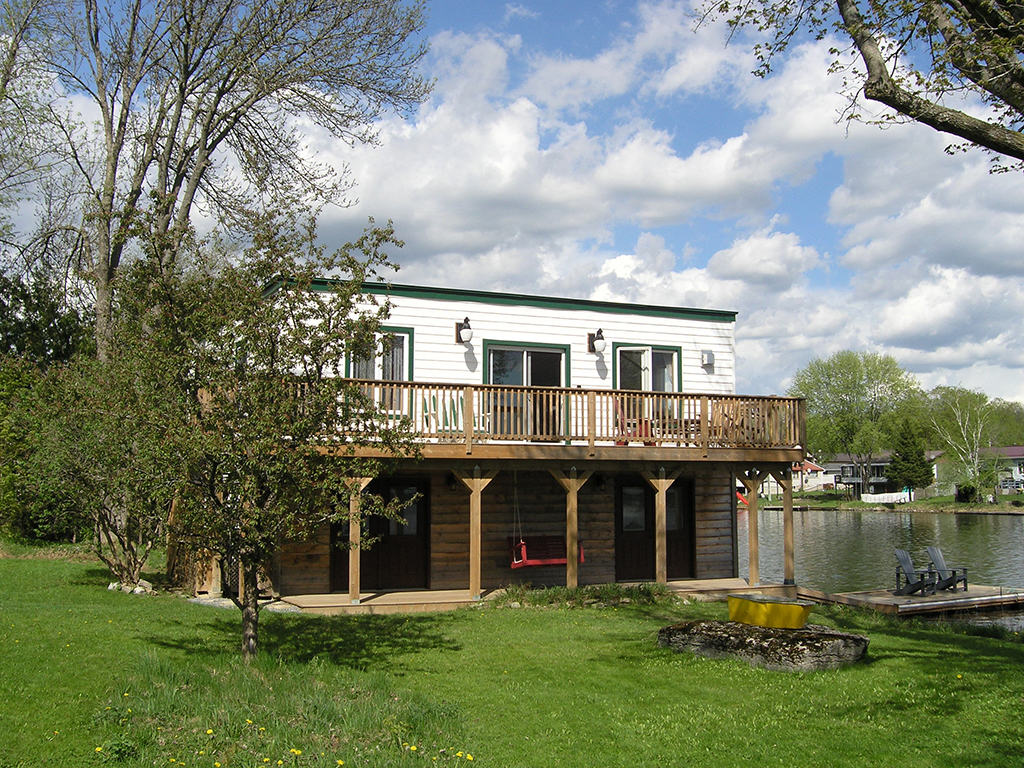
pixel 546 302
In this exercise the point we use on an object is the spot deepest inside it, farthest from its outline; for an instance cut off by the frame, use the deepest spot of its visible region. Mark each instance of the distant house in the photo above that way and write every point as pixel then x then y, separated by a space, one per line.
pixel 1009 467
pixel 606 436
pixel 846 472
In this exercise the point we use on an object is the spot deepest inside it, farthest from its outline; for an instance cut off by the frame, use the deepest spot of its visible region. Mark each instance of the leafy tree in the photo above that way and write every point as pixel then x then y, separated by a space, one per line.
pixel 110 437
pixel 38 324
pixel 908 465
pixel 1007 422
pixel 275 425
pixel 917 59
pixel 962 419
pixel 853 402
pixel 199 103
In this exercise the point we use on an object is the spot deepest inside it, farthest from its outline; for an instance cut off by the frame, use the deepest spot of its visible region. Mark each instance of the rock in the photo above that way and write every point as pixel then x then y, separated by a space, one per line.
pixel 790 650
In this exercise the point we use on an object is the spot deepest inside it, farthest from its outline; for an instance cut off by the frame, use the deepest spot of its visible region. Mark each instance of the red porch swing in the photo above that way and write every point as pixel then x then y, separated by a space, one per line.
pixel 535 550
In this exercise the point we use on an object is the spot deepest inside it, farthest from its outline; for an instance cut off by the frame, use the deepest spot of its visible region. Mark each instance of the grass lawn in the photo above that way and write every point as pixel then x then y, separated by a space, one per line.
pixel 90 677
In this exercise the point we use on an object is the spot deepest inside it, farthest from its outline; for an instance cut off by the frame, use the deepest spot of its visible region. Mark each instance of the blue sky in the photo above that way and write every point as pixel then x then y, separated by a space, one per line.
pixel 609 150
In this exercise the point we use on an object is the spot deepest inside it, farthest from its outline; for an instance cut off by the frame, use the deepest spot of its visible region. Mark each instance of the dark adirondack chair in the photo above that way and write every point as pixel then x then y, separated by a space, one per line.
pixel 948 578
pixel 916 580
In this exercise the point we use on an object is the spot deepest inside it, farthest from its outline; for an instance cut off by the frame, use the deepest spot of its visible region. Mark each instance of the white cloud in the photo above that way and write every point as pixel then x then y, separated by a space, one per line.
pixel 514 186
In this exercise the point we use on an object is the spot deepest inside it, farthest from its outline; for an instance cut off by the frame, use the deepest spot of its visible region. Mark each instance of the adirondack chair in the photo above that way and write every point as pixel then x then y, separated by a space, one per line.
pixel 948 578
pixel 916 580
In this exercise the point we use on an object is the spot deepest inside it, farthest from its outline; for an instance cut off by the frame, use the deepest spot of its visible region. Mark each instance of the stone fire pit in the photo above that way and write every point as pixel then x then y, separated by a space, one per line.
pixel 790 650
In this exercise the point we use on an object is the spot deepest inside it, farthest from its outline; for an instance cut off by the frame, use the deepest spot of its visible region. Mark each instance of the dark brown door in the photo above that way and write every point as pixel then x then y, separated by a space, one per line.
pixel 634 532
pixel 399 559
pixel 680 534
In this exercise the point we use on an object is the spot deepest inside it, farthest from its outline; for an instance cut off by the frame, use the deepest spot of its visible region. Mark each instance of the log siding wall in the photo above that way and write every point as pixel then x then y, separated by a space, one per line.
pixel 304 567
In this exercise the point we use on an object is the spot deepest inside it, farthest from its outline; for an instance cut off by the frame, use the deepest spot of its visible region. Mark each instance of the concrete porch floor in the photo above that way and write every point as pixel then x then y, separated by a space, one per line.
pixel 425 601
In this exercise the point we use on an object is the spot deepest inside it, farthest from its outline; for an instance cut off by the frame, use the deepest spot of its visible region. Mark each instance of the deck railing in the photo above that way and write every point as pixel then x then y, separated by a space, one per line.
pixel 493 413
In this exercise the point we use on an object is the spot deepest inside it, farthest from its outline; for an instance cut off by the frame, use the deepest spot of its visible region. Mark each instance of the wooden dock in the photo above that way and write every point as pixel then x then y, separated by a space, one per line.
pixel 977 597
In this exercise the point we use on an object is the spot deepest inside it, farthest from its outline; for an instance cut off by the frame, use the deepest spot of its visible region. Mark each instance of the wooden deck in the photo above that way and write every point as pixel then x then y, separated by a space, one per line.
pixel 977 597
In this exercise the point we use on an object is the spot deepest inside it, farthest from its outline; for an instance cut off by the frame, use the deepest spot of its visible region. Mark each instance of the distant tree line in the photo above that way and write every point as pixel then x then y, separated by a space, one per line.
pixel 863 404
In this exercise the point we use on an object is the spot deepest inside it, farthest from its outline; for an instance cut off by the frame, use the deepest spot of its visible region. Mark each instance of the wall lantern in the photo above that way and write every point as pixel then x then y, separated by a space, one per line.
pixel 596 342
pixel 463 333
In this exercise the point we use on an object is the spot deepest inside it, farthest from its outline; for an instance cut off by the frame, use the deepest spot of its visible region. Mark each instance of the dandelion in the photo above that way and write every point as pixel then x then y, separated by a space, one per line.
pixel 412 748
pixel 247 720
pixel 99 749
pixel 126 694
pixel 209 731
pixel 469 756
pixel 959 677
pixel 341 762
pixel 216 765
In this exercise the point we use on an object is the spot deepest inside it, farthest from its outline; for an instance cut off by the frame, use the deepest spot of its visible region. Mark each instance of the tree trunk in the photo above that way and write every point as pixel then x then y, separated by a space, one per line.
pixel 249 603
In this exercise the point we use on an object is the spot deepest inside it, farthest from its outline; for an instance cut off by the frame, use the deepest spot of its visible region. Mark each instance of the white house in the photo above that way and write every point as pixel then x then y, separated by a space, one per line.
pixel 564 441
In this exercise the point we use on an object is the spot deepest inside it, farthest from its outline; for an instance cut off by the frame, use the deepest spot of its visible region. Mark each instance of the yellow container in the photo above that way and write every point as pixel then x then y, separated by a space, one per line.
pixel 768 611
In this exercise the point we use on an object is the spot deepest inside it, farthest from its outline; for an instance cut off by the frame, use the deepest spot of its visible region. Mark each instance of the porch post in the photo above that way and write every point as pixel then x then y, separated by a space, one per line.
pixel 476 484
pixel 355 533
pixel 572 484
pixel 661 483
pixel 785 479
pixel 752 480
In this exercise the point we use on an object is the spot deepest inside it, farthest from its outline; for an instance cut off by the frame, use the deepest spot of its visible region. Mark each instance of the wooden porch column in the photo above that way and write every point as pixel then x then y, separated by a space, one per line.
pixel 752 480
pixel 476 483
pixel 355 533
pixel 785 478
pixel 661 483
pixel 572 483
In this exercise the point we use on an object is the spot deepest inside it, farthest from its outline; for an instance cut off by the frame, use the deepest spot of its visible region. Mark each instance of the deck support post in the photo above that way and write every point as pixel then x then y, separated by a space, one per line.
pixel 752 480
pixel 355 530
pixel 785 479
pixel 571 482
pixel 661 482
pixel 476 482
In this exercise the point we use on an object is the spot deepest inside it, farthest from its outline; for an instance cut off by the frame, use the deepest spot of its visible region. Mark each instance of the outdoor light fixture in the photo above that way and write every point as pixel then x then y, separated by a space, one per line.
pixel 707 359
pixel 596 342
pixel 463 333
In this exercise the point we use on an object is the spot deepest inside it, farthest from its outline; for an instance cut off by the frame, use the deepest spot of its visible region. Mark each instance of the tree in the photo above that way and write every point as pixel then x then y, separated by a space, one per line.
pixel 853 401
pixel 962 419
pixel 908 466
pixel 915 58
pixel 38 324
pixel 107 439
pixel 275 425
pixel 198 104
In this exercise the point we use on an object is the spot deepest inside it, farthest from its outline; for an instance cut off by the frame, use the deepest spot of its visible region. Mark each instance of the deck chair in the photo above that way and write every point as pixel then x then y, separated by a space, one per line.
pixel 916 581
pixel 948 578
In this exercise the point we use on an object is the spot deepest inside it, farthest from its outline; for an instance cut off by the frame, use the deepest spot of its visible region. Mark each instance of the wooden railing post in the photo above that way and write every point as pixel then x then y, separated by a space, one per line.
pixel 467 415
pixel 705 424
pixel 591 420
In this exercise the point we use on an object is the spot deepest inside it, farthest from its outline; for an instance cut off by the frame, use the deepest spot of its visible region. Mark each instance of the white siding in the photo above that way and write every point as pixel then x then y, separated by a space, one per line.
pixel 438 358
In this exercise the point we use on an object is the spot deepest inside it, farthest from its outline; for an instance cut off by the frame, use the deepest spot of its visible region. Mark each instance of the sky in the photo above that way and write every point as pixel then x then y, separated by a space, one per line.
pixel 608 149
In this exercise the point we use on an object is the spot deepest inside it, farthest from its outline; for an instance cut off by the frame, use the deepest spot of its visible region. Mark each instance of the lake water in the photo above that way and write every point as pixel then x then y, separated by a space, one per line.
pixel 853 551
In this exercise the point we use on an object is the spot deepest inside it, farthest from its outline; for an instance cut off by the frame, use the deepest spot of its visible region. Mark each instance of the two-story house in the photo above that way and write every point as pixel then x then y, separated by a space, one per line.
pixel 564 441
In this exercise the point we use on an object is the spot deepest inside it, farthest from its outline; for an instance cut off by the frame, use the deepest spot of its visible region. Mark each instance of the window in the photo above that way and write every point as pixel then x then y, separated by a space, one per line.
pixel 517 414
pixel 647 369
pixel 393 362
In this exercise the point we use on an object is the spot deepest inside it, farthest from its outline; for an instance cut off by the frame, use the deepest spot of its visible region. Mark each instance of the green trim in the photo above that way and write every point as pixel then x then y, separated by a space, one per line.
pixel 565 349
pixel 678 351
pixel 546 302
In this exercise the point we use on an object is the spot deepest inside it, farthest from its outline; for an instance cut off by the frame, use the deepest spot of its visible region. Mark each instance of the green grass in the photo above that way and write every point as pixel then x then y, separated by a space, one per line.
pixel 154 679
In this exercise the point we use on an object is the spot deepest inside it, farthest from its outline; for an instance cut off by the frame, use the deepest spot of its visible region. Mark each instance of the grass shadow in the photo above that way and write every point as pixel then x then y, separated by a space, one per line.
pixel 356 642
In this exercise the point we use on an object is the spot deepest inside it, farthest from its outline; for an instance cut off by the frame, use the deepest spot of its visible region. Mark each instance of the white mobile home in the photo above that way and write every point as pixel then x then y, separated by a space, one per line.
pixel 563 441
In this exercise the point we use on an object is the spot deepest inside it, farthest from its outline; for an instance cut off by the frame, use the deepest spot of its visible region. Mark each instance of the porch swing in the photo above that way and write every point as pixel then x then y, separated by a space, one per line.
pixel 537 549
